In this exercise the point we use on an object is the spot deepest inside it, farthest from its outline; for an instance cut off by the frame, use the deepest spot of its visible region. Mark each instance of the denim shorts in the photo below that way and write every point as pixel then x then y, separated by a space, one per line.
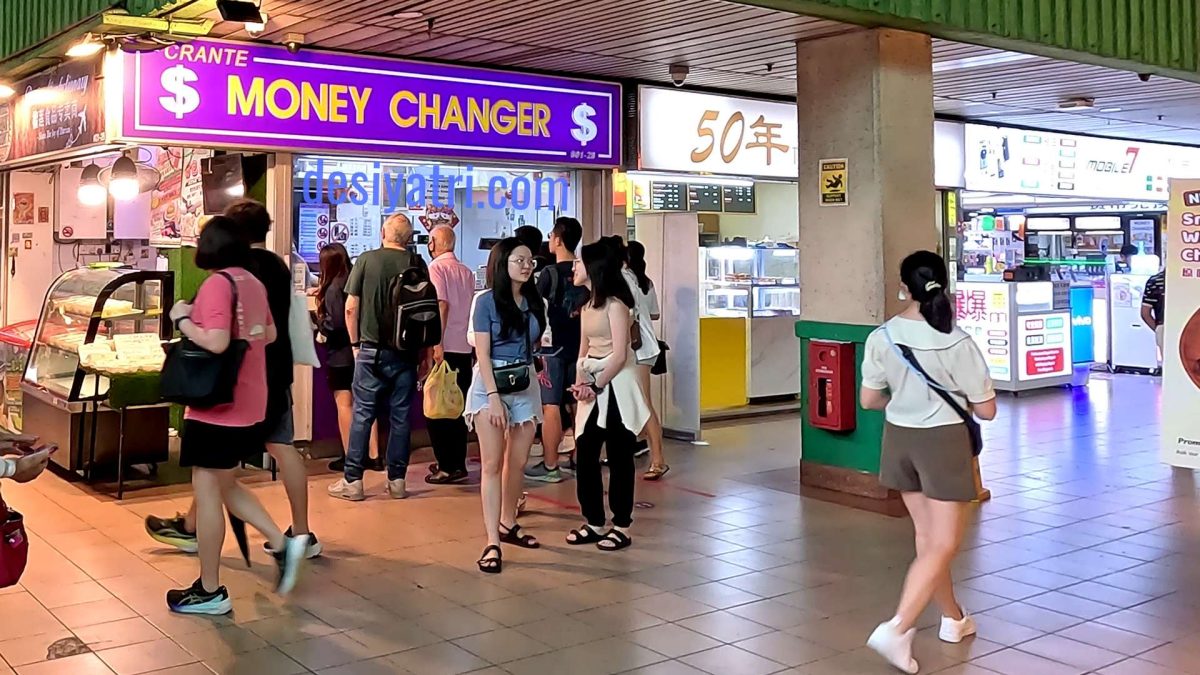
pixel 522 407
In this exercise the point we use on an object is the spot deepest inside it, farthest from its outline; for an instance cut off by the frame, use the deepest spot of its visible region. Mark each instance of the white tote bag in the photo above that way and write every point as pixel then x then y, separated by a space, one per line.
pixel 300 330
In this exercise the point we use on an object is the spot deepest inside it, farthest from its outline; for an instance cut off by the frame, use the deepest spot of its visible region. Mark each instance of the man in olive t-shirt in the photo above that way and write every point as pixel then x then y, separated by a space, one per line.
pixel 384 379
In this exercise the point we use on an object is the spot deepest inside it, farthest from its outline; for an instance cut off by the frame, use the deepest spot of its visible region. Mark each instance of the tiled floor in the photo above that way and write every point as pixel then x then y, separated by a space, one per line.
pixel 1084 561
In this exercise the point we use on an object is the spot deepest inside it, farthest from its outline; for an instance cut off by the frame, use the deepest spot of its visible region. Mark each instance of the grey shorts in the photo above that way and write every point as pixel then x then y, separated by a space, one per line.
pixel 282 431
pixel 934 461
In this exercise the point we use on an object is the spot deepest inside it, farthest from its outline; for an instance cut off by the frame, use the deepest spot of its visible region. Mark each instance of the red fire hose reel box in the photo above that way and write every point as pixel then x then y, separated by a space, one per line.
pixel 831 395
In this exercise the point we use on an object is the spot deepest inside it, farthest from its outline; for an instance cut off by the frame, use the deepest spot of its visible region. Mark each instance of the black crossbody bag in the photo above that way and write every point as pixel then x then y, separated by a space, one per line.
pixel 968 419
pixel 513 378
pixel 198 378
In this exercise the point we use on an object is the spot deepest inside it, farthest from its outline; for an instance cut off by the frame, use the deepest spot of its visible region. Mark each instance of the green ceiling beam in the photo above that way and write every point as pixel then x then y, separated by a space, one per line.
pixel 1144 36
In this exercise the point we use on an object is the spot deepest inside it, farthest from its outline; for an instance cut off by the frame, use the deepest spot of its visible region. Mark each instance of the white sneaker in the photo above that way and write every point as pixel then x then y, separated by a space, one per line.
pixel 894 646
pixel 956 631
pixel 348 490
pixel 396 489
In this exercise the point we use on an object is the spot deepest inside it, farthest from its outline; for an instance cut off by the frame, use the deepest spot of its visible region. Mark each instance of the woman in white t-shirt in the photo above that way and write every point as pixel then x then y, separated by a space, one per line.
pixel 927 448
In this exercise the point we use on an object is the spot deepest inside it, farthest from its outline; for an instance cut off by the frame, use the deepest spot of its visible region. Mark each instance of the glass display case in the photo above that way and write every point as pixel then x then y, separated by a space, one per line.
pixel 15 341
pixel 737 281
pixel 99 326
pixel 102 317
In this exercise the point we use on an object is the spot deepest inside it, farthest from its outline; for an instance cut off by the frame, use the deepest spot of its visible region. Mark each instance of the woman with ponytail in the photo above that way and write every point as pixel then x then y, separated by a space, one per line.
pixel 931 381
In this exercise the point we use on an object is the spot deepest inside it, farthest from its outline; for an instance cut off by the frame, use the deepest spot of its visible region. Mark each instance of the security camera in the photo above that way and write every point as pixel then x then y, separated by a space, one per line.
pixel 679 73
pixel 1144 77
pixel 293 42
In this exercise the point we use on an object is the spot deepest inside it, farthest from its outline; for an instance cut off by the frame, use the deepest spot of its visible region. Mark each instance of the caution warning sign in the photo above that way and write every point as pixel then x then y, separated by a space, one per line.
pixel 835 182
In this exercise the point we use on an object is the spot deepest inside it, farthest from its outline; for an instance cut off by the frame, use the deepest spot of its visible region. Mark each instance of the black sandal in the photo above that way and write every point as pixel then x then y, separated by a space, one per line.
pixel 618 539
pixel 513 536
pixel 582 536
pixel 490 565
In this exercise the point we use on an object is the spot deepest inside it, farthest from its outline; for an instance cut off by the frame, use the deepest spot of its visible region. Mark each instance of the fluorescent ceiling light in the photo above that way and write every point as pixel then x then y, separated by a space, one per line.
pixel 6 91
pixel 980 61
pixel 85 47
pixel 1111 110
pixel 409 15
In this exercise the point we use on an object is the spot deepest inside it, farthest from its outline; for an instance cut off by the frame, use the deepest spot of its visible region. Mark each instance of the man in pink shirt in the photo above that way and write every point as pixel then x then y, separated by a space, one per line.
pixel 455 284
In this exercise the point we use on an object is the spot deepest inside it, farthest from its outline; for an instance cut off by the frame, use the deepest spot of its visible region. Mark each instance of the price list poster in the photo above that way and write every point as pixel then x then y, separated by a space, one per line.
pixel 1181 345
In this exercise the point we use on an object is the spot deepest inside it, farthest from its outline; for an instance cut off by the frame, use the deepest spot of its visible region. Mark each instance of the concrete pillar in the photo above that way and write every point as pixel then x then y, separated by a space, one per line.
pixel 867 97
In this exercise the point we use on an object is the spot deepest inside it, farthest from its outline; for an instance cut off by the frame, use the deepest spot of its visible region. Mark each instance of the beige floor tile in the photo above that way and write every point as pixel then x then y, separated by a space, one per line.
pixel 95 612
pixel 1115 639
pixel 731 659
pixel 457 623
pixel 1070 652
pixel 443 658
pixel 667 668
pixel 329 651
pixel 1015 662
pixel 672 606
pixel 502 646
pixel 118 633
pixel 786 649
pixel 725 626
pixel 146 657
pixel 83 664
pixel 226 641
pixel 267 660
pixel 569 631
pixel 672 640
pixel 29 649
pixel 1139 667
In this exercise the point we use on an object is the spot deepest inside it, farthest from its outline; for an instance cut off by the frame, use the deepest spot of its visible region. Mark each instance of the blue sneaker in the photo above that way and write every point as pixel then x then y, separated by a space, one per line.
pixel 196 600
pixel 539 472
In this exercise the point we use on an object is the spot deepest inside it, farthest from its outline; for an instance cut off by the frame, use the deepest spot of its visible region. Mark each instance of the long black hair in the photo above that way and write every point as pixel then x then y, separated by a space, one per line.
pixel 636 259
pixel 335 265
pixel 603 266
pixel 924 273
pixel 512 317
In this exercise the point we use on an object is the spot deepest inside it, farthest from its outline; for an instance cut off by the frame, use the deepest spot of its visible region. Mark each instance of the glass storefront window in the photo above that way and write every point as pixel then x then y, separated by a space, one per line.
pixel 338 199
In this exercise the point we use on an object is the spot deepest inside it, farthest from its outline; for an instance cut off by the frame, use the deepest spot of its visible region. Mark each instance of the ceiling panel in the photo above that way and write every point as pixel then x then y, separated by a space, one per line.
pixel 727 46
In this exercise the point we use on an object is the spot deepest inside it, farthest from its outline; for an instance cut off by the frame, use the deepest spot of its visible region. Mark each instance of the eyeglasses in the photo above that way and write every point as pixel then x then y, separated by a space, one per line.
pixel 521 262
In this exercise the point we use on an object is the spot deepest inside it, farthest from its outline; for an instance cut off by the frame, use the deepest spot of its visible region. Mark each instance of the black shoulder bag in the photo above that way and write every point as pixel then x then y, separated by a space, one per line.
pixel 513 378
pixel 968 419
pixel 198 378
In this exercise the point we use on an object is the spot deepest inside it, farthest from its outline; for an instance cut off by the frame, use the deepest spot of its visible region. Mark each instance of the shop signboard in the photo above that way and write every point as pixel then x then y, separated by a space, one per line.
pixel 1021 161
pixel 58 110
pixel 209 92
pixel 1181 342
pixel 692 132
pixel 1043 346
pixel 982 311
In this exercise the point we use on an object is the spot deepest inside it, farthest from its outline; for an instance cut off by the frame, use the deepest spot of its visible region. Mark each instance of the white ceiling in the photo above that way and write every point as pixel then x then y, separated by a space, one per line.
pixel 728 46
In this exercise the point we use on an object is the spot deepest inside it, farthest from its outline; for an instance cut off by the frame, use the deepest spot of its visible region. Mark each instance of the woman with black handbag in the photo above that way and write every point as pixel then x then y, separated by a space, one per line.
pixel 931 381
pixel 227 328
pixel 504 404
pixel 646 298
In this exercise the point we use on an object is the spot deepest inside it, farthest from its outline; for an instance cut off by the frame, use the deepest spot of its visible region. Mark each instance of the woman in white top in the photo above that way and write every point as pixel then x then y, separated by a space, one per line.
pixel 611 409
pixel 927 451
pixel 646 298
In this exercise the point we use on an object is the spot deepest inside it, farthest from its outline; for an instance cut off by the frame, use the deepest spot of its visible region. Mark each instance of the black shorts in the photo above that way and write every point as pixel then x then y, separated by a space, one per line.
pixel 208 446
pixel 340 378
pixel 561 373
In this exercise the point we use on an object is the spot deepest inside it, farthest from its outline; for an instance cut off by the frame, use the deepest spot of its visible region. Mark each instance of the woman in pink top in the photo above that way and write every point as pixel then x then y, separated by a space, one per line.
pixel 216 440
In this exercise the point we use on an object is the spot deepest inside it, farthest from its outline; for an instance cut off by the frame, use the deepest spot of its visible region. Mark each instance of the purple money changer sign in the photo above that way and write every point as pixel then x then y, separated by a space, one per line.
pixel 236 94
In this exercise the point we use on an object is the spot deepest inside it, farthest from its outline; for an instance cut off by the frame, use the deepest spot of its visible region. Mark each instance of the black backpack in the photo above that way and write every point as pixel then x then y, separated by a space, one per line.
pixel 565 299
pixel 415 320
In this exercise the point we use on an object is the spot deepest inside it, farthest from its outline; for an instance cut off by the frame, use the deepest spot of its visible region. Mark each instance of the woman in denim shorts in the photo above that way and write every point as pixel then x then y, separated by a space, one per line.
pixel 504 403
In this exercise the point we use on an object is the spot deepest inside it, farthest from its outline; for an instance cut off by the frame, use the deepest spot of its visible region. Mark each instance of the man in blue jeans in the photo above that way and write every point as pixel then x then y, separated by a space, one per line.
pixel 384 379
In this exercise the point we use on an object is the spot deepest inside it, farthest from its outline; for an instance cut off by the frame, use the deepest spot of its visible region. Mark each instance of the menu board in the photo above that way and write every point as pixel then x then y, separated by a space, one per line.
pixel 738 198
pixel 982 311
pixel 668 196
pixel 704 198
pixel 1044 345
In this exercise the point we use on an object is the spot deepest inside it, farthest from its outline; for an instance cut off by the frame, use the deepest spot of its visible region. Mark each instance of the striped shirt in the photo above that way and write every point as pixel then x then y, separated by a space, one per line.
pixel 1155 296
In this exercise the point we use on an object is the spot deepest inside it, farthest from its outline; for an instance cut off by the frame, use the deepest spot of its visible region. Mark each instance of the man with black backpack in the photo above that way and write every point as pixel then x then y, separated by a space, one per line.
pixel 564 300
pixel 392 317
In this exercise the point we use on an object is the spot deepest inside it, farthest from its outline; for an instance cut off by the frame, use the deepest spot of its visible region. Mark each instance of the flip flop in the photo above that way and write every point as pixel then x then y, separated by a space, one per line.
pixel 656 472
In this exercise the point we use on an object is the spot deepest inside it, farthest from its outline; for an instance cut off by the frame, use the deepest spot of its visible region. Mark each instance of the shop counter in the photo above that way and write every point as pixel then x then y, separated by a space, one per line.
pixel 1023 329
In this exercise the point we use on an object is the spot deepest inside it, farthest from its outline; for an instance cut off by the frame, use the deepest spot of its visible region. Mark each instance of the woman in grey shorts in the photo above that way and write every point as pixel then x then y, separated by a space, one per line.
pixel 927 453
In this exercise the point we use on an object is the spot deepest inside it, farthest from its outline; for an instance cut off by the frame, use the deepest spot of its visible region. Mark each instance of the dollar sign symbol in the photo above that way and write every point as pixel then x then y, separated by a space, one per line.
pixel 585 129
pixel 185 99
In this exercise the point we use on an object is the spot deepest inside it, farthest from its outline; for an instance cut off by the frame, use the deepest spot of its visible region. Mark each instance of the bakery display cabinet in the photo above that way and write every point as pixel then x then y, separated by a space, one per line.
pixel 91 381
